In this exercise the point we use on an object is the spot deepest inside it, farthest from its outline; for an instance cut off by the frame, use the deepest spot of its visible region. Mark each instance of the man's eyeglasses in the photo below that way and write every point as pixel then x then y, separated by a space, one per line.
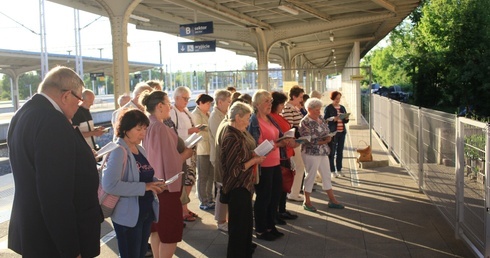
pixel 186 98
pixel 74 95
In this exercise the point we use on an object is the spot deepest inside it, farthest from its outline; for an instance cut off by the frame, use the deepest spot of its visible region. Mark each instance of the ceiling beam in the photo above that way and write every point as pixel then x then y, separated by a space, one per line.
pixel 387 5
pixel 220 11
pixel 308 9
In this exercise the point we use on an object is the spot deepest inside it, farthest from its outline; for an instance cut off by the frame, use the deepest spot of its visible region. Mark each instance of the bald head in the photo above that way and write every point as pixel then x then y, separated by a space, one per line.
pixel 88 97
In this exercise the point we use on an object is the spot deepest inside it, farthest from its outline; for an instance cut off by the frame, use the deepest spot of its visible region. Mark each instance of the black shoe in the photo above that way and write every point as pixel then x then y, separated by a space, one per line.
pixel 287 215
pixel 276 233
pixel 280 221
pixel 149 253
pixel 267 236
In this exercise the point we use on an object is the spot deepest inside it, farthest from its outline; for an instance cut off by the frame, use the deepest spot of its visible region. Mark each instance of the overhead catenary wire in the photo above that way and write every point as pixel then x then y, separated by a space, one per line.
pixel 12 19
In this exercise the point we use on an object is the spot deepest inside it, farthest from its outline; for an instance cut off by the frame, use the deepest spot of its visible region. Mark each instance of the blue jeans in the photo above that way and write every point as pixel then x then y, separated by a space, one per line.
pixel 337 151
pixel 133 241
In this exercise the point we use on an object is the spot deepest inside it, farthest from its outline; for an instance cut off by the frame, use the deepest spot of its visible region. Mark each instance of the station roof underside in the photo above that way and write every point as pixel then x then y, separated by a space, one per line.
pixel 312 30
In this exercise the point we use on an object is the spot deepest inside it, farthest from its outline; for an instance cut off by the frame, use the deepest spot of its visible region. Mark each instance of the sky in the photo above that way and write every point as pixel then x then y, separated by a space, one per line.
pixel 20 26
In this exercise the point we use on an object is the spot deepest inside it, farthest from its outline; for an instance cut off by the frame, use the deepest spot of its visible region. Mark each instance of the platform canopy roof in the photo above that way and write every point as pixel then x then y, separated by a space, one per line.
pixel 321 32
pixel 24 61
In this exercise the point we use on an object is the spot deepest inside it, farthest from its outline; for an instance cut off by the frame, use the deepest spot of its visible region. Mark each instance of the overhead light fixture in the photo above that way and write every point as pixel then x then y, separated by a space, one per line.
pixel 139 18
pixel 334 57
pixel 333 50
pixel 331 36
pixel 224 42
pixel 288 9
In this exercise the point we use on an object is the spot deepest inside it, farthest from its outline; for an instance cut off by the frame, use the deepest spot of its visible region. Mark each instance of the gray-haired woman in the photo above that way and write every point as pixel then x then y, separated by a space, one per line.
pixel 238 164
pixel 315 153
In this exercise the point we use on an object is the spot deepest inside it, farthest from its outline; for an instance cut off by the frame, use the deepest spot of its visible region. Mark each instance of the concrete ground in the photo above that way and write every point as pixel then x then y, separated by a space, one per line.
pixel 385 216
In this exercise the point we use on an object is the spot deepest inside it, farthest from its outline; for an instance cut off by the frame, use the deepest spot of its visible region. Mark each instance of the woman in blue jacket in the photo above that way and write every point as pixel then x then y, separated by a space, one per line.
pixel 137 207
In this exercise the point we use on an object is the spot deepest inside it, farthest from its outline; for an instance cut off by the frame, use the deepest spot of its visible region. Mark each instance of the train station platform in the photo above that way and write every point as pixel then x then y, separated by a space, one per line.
pixel 385 215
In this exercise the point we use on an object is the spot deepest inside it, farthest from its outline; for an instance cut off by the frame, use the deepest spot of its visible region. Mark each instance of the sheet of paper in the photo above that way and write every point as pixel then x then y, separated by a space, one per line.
pixel 106 149
pixel 288 134
pixel 192 140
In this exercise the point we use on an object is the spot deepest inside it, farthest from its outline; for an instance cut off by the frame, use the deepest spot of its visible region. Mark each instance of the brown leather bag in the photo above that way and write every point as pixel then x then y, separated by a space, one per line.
pixel 365 155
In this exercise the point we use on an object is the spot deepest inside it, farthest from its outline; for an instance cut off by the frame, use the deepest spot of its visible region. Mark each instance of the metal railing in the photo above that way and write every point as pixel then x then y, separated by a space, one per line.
pixel 446 155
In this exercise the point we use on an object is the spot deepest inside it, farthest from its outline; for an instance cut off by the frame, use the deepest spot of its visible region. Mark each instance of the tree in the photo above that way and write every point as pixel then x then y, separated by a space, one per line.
pixel 452 58
pixel 27 82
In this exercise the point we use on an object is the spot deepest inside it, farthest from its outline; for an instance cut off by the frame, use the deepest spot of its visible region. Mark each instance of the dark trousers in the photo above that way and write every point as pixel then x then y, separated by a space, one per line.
pixel 337 151
pixel 267 198
pixel 240 223
pixel 133 241
pixel 282 202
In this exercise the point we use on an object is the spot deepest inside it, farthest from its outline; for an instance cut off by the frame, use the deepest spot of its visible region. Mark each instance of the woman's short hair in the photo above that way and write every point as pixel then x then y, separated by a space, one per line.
pixel 316 94
pixel 235 95
pixel 247 98
pixel 239 108
pixel 334 94
pixel 313 103
pixel 305 97
pixel 278 98
pixel 179 91
pixel 151 99
pixel 259 97
pixel 221 95
pixel 203 98
pixel 154 84
pixel 129 119
pixel 295 91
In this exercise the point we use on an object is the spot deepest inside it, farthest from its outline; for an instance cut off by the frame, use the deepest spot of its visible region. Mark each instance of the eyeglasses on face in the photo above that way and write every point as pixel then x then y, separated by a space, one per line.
pixel 186 98
pixel 269 101
pixel 74 95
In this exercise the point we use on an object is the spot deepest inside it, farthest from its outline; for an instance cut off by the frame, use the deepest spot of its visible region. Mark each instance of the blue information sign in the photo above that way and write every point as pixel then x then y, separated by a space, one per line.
pixel 196 28
pixel 197 46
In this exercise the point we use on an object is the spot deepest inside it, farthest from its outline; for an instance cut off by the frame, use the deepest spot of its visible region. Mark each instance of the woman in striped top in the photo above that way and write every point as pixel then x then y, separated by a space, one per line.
pixel 292 113
pixel 337 124
pixel 239 171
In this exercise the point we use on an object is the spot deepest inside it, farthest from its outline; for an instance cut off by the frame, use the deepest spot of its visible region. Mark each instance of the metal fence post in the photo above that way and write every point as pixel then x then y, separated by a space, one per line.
pixel 486 244
pixel 459 176
pixel 421 150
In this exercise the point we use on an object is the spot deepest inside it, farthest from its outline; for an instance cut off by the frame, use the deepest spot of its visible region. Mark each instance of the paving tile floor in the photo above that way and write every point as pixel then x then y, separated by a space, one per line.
pixel 385 216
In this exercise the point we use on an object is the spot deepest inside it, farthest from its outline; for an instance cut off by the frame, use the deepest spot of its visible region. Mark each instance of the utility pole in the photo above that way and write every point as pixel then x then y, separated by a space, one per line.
pixel 161 66
pixel 100 51
pixel 44 51
pixel 78 44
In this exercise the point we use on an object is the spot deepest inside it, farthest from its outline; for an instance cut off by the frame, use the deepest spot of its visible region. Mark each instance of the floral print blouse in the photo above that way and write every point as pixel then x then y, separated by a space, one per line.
pixel 318 130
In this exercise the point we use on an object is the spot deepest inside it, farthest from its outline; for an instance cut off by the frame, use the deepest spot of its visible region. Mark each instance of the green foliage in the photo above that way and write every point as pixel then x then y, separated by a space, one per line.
pixel 443 51
pixel 475 145
pixel 28 82
pixel 452 55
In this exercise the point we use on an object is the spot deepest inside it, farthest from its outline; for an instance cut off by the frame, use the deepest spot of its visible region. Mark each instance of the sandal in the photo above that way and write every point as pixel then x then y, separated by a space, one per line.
pixel 309 208
pixel 189 218
pixel 193 214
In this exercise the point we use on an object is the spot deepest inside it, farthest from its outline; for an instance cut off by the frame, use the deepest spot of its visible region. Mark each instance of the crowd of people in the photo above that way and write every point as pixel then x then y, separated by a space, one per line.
pixel 63 220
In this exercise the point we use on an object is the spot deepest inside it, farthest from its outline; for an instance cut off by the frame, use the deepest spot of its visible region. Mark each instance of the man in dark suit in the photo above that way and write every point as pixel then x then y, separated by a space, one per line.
pixel 55 211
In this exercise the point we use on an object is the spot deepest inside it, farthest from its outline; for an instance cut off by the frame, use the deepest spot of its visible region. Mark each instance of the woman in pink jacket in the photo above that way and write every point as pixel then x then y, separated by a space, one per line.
pixel 161 146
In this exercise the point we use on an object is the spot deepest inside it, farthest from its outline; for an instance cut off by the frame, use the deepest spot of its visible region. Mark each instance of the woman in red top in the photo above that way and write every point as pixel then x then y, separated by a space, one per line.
pixel 278 101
